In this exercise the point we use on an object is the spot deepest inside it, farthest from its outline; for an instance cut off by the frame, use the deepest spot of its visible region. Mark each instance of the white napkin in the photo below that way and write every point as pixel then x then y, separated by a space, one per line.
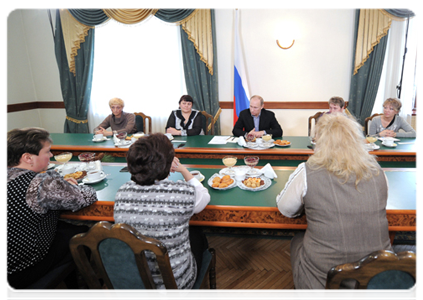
pixel 241 141
pixel 268 171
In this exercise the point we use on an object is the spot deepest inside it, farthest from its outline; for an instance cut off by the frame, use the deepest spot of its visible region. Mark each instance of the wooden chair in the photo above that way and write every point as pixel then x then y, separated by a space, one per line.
pixel 310 121
pixel 366 122
pixel 140 122
pixel 379 270
pixel 118 259
pixel 208 128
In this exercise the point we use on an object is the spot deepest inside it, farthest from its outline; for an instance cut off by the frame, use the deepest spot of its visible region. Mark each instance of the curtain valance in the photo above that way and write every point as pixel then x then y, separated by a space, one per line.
pixel 74 34
pixel 177 16
pixel 199 32
pixel 373 25
pixel 195 22
pixel 129 16
pixel 399 14
pixel 89 17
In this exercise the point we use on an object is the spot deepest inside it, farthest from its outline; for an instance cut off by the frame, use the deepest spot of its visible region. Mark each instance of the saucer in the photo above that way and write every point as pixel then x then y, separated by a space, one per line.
pixel 87 181
pixel 100 140
pixel 124 143
pixel 202 177
pixel 392 146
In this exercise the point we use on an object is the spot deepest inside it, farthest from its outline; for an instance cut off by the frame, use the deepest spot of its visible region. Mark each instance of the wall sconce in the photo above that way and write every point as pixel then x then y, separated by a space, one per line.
pixel 285 33
pixel 277 42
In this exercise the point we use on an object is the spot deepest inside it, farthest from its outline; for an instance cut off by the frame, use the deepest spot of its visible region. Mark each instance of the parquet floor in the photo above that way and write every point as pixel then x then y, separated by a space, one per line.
pixel 252 262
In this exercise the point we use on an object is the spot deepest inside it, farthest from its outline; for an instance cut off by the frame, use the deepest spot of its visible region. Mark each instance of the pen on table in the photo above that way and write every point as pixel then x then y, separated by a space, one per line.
pixel 228 138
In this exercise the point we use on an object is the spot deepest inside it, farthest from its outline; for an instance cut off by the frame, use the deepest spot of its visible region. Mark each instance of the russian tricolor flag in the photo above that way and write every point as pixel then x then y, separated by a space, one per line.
pixel 241 92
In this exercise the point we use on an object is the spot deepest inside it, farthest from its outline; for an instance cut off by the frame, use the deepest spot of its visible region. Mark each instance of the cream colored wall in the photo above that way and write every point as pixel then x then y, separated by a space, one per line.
pixel 316 68
pixel 32 70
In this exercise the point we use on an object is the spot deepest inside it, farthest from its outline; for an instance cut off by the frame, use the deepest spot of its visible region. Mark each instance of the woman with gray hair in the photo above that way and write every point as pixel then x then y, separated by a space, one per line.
pixel 118 120
pixel 343 192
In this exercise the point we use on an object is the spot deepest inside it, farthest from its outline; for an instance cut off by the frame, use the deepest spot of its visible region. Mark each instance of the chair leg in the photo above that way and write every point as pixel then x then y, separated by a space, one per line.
pixel 212 272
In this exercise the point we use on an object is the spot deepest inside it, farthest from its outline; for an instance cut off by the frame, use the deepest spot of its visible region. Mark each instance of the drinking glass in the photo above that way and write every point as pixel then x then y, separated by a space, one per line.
pixel 252 161
pixel 121 136
pixel 63 158
pixel 371 138
pixel 250 137
pixel 229 161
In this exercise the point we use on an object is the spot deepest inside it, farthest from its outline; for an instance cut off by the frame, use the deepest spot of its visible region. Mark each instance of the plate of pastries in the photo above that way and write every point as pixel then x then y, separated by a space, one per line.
pixel 221 182
pixel 282 143
pixel 254 183
pixel 78 175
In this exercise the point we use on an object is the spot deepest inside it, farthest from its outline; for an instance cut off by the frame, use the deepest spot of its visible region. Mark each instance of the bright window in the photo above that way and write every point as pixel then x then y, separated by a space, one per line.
pixel 142 65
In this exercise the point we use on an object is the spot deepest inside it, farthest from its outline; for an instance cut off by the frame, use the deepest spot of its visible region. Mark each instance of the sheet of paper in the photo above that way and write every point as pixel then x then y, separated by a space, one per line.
pixel 219 139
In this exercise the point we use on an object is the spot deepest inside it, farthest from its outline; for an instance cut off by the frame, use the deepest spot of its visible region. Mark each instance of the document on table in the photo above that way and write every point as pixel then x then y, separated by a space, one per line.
pixel 219 139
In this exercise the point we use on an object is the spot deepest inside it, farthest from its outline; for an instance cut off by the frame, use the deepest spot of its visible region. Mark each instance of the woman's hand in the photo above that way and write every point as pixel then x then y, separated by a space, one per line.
pixel 71 180
pixel 180 168
pixel 388 133
pixel 174 165
pixel 173 131
pixel 104 132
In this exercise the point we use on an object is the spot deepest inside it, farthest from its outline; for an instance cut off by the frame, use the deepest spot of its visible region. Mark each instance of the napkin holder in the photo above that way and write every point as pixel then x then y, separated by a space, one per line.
pixel 268 171
pixel 241 141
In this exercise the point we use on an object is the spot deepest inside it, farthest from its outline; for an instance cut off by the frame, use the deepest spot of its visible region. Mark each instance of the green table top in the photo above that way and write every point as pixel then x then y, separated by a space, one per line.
pixel 402 188
pixel 202 141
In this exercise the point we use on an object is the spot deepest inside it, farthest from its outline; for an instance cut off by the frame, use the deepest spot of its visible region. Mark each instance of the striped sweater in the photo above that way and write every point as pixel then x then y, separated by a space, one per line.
pixel 162 211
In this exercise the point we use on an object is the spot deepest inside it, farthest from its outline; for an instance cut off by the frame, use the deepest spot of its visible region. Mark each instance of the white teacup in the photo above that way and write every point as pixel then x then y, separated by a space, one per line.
pixel 196 174
pixel 68 169
pixel 240 174
pixel 94 175
pixel 239 177
pixel 98 137
pixel 388 141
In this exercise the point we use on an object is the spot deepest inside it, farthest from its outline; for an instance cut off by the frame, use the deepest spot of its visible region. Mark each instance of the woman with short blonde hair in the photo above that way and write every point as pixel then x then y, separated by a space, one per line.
pixel 119 120
pixel 389 124
pixel 343 192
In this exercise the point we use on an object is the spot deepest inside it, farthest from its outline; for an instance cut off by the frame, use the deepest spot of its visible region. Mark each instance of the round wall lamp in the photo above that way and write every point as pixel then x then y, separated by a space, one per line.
pixel 277 42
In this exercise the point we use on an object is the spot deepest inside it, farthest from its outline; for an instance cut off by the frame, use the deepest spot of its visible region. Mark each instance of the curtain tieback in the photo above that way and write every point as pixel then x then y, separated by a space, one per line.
pixel 76 121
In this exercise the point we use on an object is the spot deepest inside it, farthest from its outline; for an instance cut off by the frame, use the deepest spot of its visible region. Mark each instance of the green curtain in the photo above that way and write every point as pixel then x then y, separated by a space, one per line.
pixel 365 83
pixel 201 85
pixel 76 89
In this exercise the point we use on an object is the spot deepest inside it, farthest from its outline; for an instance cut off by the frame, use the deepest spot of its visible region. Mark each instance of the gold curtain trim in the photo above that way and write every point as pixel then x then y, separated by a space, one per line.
pixel 395 18
pixel 373 25
pixel 74 34
pixel 129 16
pixel 76 121
pixel 199 31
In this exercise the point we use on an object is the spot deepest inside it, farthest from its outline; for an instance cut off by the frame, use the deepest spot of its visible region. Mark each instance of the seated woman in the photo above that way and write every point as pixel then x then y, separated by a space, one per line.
pixel 37 241
pixel 185 120
pixel 119 120
pixel 343 192
pixel 160 208
pixel 389 124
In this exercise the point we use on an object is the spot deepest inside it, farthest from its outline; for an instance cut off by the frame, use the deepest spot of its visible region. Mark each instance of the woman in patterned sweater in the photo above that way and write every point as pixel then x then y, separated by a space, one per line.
pixel 160 208
pixel 36 241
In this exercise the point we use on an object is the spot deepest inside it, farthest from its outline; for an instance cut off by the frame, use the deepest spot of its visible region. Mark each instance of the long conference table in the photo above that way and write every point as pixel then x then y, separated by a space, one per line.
pixel 241 208
pixel 199 147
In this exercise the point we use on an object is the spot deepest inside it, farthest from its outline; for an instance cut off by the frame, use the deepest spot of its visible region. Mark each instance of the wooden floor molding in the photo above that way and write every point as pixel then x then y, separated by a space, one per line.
pixel 252 262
